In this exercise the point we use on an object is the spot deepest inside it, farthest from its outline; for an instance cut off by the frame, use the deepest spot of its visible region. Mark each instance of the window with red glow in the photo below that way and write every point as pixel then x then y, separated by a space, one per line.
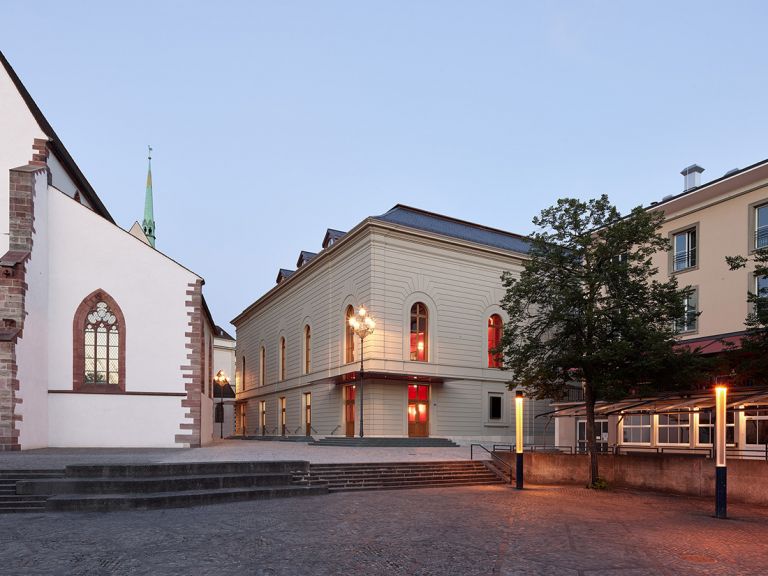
pixel 494 339
pixel 419 332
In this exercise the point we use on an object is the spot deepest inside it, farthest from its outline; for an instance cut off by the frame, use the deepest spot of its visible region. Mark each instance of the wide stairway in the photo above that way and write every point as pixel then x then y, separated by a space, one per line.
pixel 125 487
pixel 426 442
pixel 392 476
pixel 11 502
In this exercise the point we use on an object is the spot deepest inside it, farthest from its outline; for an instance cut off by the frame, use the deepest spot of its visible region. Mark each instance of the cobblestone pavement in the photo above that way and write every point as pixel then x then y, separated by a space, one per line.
pixel 557 531
pixel 222 451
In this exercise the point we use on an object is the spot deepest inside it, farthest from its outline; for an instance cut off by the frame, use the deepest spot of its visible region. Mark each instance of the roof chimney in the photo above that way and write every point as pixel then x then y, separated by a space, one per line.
pixel 692 176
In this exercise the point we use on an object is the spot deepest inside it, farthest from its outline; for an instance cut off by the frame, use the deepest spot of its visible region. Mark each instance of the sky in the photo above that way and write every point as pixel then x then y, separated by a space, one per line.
pixel 273 121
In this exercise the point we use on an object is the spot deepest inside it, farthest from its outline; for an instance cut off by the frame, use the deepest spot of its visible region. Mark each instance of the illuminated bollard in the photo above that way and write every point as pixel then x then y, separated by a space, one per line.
pixel 721 469
pixel 519 439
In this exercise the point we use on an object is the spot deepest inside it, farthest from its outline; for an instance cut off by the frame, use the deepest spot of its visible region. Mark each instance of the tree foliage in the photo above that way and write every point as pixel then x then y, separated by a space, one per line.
pixel 751 359
pixel 588 308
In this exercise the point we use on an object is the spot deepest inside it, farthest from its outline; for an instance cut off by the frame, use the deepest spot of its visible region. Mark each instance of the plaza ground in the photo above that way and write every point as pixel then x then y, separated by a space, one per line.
pixel 481 530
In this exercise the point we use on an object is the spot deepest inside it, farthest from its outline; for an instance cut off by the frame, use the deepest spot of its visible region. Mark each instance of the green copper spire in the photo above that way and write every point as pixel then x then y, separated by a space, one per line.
pixel 149 218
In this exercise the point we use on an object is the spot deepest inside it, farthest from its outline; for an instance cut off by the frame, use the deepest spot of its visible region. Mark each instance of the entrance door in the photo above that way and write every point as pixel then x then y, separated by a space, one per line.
pixel 418 410
pixel 263 417
pixel 282 416
pixel 601 435
pixel 349 410
pixel 241 423
pixel 308 413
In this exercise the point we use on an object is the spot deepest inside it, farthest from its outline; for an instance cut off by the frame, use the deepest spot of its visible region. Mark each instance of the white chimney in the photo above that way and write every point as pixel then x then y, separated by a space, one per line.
pixel 692 176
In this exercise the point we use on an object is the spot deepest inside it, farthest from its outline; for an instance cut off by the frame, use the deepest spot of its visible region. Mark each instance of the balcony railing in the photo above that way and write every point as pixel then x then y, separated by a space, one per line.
pixel 684 259
pixel 761 237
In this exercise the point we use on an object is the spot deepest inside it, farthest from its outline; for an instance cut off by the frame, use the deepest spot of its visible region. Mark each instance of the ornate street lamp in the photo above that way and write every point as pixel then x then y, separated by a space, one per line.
pixel 362 325
pixel 221 380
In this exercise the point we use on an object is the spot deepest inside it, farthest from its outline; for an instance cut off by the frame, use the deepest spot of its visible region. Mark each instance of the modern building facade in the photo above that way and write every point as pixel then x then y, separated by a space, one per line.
pixel 433 286
pixel 105 341
pixel 705 223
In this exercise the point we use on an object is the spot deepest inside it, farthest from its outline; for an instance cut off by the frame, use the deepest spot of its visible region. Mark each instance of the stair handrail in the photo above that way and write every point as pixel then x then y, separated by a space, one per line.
pixel 494 456
pixel 334 430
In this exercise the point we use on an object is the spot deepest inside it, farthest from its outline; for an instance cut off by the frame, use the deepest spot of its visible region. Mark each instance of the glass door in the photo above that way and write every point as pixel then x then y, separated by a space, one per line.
pixel 418 410
pixel 349 410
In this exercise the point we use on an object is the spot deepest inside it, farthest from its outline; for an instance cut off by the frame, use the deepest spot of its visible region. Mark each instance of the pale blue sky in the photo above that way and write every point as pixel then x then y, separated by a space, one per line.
pixel 272 121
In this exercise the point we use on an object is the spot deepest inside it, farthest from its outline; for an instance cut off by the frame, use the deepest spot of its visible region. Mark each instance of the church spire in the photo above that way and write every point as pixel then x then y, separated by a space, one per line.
pixel 149 218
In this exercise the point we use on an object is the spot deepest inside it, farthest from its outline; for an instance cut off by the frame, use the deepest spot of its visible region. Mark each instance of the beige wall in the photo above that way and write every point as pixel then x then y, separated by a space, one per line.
pixel 722 212
pixel 387 268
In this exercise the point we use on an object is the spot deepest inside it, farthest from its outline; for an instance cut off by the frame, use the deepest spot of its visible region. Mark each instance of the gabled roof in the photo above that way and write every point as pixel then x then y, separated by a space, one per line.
pixel 304 257
pixel 219 332
pixel 56 145
pixel 447 226
pixel 284 274
pixel 331 236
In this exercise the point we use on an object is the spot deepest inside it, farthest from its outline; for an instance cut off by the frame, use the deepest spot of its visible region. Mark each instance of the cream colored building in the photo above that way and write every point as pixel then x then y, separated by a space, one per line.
pixel 433 286
pixel 705 223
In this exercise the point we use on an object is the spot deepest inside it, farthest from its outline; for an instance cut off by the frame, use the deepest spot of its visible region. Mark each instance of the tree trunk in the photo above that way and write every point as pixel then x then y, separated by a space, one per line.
pixel 589 401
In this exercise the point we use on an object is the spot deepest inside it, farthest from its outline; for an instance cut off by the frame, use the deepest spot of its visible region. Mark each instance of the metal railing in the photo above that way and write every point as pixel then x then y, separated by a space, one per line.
pixel 493 456
pixel 684 259
pixel 748 453
pixel 761 237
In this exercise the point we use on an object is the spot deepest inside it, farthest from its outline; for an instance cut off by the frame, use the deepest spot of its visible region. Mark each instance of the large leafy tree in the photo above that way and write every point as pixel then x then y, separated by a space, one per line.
pixel 588 308
pixel 751 359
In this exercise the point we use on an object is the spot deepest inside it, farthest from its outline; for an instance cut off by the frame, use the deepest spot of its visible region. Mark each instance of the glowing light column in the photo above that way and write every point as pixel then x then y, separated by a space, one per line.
pixel 363 325
pixel 721 469
pixel 519 440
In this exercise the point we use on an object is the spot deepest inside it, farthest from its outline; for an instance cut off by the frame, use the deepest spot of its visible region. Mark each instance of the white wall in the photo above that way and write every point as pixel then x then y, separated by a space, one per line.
pixel 18 130
pixel 87 253
pixel 131 421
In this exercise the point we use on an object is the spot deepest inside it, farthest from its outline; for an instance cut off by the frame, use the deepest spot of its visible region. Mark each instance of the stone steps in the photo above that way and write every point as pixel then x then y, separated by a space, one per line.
pixel 275 438
pixel 344 477
pixel 11 502
pixel 175 499
pixel 427 442
pixel 144 486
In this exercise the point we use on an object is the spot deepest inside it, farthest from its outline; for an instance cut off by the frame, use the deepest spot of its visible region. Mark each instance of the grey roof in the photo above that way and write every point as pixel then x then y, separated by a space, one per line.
pixel 331 236
pixel 438 224
pixel 283 274
pixel 221 333
pixel 304 257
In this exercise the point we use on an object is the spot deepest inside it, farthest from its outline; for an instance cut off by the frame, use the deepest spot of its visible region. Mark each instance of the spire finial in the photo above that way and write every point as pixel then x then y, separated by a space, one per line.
pixel 149 217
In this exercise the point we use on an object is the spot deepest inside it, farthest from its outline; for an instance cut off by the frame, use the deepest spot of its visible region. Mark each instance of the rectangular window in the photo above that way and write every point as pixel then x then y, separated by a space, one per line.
pixel 761 226
pixel 684 250
pixel 601 436
pixel 674 428
pixel 756 425
pixel 495 407
pixel 637 429
pixel 690 320
pixel 707 428
pixel 761 293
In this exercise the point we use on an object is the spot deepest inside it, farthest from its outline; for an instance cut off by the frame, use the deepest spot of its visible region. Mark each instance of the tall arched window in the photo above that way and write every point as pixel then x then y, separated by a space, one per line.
pixel 349 338
pixel 98 334
pixel 419 332
pixel 262 366
pixel 307 349
pixel 282 358
pixel 495 327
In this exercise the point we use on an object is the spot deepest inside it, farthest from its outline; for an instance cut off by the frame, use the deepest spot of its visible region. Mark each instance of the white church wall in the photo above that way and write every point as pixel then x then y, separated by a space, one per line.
pixel 131 421
pixel 88 254
pixel 32 347
pixel 15 151
pixel 206 400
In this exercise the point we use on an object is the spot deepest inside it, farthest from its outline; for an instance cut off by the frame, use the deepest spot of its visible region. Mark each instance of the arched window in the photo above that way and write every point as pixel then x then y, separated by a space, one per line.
pixel 307 349
pixel 262 366
pixel 349 338
pixel 99 344
pixel 495 327
pixel 282 358
pixel 419 332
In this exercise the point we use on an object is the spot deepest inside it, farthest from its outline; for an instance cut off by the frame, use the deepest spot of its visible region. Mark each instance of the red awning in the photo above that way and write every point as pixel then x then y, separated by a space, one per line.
pixel 712 345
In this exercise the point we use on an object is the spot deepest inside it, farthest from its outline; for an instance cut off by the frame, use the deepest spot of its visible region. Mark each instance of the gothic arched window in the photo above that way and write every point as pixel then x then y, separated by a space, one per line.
pixel 99 345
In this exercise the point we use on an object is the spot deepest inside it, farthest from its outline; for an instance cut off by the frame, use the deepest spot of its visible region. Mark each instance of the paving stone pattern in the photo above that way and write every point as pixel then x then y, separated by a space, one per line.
pixel 482 530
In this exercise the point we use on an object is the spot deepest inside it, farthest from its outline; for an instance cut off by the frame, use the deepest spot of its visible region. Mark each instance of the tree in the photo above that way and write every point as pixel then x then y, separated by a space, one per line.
pixel 588 308
pixel 751 360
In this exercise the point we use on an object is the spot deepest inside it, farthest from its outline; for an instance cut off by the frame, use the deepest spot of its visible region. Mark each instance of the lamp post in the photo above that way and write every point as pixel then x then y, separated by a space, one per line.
pixel 519 440
pixel 721 470
pixel 362 325
pixel 221 380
